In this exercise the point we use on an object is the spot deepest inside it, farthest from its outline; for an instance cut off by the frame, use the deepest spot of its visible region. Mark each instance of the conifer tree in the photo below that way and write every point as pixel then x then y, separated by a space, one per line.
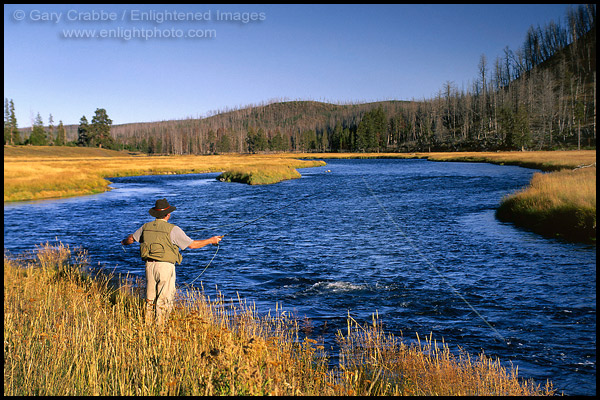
pixel 7 126
pixel 16 136
pixel 83 138
pixel 38 134
pixel 50 132
pixel 99 131
pixel 61 135
pixel 11 131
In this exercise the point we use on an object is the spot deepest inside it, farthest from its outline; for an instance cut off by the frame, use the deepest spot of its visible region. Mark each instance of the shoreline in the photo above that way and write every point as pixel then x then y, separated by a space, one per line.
pixel 572 220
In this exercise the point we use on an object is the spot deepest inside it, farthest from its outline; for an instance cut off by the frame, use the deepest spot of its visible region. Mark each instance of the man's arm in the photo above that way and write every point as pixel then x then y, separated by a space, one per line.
pixel 134 237
pixel 128 240
pixel 196 244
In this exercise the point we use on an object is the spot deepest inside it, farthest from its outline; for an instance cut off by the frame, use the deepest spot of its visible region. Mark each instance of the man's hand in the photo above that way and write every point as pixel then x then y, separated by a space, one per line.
pixel 127 241
pixel 215 240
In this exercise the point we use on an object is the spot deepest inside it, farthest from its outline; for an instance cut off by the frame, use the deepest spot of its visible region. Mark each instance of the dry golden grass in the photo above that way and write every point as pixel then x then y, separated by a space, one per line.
pixel 559 203
pixel 544 160
pixel 259 176
pixel 33 173
pixel 374 363
pixel 573 187
pixel 66 333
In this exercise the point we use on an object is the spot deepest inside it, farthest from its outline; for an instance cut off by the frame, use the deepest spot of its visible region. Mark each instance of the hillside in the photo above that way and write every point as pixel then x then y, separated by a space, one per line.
pixel 283 126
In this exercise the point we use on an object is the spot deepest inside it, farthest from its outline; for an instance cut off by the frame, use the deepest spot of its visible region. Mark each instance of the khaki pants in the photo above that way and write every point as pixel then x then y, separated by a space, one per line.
pixel 160 291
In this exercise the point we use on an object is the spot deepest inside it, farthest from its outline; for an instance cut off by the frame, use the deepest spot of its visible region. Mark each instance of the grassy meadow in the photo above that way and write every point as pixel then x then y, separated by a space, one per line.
pixel 69 333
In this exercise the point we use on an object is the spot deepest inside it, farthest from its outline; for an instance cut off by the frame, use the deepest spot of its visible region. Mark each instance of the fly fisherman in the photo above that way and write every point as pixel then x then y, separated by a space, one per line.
pixel 160 242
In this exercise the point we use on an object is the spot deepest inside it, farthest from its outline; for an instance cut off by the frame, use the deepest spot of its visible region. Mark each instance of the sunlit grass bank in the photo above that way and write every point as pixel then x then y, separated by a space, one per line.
pixel 559 203
pixel 68 333
pixel 34 173
pixel 259 176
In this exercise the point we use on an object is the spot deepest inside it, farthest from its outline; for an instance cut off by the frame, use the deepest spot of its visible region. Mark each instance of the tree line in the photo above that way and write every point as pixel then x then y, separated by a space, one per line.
pixel 39 135
pixel 96 134
pixel 540 96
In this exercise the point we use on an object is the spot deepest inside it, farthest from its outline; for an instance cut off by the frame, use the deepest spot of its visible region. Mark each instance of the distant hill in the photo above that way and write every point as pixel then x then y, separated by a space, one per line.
pixel 300 115
pixel 541 96
pixel 292 120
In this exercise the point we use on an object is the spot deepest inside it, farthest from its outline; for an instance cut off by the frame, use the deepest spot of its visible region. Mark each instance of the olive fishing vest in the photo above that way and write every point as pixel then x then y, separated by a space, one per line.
pixel 155 242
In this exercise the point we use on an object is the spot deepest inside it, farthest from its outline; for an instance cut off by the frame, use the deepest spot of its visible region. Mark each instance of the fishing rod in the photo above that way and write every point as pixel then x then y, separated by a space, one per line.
pixel 250 223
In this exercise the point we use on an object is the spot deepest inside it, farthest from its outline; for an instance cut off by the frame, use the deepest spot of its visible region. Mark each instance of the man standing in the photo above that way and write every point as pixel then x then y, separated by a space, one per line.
pixel 160 243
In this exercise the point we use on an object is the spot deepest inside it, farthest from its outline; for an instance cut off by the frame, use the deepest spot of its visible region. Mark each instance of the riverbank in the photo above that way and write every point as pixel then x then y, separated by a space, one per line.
pixel 560 204
pixel 566 207
pixel 46 172
pixel 67 332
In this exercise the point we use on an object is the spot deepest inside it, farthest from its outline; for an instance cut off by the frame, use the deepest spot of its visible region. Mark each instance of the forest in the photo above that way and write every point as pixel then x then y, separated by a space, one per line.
pixel 541 96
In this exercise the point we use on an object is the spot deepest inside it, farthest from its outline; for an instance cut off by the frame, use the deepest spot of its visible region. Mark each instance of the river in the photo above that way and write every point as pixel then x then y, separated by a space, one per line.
pixel 413 240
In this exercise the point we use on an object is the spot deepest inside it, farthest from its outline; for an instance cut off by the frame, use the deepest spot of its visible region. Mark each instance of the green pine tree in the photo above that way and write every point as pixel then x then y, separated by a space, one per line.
pixel 7 127
pixel 83 137
pixel 11 131
pixel 99 132
pixel 38 134
pixel 51 139
pixel 16 136
pixel 61 135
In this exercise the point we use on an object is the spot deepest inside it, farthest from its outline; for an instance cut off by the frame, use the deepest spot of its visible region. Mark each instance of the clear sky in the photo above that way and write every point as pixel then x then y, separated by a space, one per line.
pixel 335 53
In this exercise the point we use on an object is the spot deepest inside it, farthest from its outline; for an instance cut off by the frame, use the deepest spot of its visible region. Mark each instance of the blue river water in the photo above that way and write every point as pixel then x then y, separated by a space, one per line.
pixel 413 240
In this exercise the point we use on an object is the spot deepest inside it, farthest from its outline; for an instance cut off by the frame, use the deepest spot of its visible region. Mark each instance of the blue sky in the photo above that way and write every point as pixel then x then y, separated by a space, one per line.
pixel 336 53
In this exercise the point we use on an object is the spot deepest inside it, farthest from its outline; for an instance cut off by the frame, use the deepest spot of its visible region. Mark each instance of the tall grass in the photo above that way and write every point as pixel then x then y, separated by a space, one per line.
pixel 67 332
pixel 376 363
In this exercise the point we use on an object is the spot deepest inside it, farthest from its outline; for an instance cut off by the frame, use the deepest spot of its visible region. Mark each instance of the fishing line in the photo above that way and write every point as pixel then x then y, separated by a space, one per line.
pixel 207 265
pixel 246 224
pixel 429 262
